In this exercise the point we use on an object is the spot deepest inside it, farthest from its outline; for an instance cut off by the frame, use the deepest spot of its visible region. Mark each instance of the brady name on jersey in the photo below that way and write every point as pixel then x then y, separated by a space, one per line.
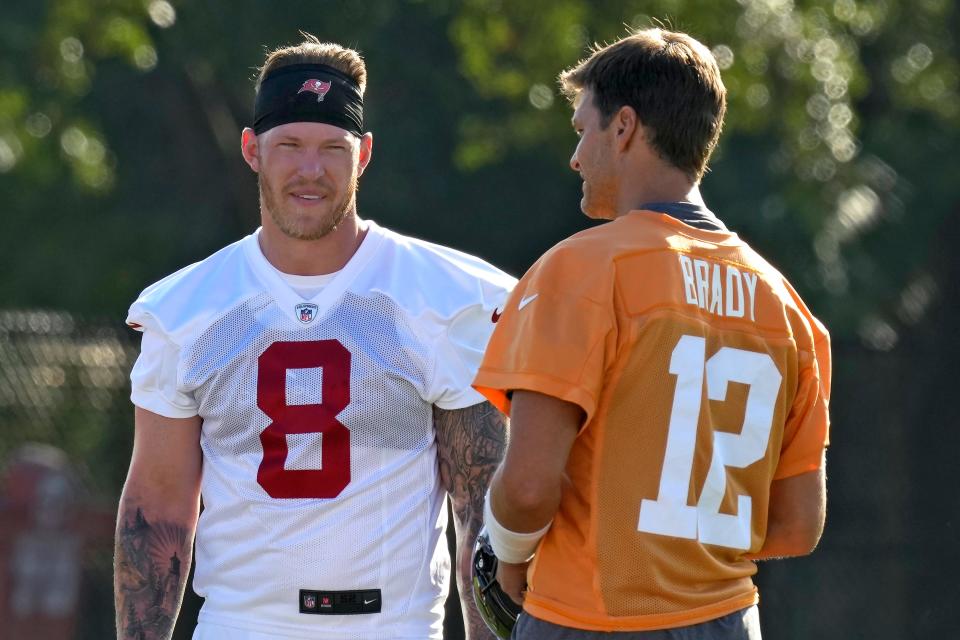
pixel 719 287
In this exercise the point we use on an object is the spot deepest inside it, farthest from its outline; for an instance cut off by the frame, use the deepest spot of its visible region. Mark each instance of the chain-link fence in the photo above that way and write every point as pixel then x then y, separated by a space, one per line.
pixel 885 569
pixel 63 383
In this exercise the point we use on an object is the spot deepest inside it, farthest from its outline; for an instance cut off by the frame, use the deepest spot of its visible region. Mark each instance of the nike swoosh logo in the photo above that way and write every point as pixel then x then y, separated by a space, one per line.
pixel 524 301
pixel 496 315
pixel 369 601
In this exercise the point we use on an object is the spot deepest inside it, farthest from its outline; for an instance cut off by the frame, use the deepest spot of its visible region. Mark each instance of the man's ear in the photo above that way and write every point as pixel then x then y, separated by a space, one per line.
pixel 249 147
pixel 626 124
pixel 366 152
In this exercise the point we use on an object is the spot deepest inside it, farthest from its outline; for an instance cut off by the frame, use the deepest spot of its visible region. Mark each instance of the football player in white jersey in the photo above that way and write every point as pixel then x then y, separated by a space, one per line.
pixel 312 382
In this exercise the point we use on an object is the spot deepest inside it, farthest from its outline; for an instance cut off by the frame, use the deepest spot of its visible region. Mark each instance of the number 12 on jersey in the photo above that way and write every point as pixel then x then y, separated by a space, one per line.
pixel 669 514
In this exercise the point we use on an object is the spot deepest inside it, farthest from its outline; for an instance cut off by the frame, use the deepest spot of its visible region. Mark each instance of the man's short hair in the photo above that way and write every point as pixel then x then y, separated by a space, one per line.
pixel 311 50
pixel 673 83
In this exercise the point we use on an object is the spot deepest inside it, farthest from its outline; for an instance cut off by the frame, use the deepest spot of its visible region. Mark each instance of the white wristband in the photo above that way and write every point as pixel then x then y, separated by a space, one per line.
pixel 510 546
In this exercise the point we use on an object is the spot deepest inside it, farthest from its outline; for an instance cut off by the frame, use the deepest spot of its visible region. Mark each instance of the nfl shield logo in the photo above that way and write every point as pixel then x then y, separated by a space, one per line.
pixel 306 312
pixel 309 601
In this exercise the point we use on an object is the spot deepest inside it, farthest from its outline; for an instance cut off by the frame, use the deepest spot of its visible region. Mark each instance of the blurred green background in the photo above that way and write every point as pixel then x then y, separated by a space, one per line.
pixel 119 163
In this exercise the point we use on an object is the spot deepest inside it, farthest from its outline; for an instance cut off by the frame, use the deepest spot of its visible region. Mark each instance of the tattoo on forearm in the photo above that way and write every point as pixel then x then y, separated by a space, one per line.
pixel 150 573
pixel 471 443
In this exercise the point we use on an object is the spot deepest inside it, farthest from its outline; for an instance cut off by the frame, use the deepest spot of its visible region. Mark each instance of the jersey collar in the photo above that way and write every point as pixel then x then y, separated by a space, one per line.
pixel 305 312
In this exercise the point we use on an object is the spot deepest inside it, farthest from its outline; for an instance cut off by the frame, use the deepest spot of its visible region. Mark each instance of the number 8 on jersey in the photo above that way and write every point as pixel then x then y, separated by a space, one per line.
pixel 334 360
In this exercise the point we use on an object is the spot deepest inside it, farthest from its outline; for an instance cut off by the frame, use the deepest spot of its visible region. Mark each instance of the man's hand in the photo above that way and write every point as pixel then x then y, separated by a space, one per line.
pixel 512 578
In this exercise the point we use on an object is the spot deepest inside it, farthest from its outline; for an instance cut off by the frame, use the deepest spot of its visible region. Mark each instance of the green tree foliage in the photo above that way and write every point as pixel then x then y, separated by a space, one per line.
pixel 51 53
pixel 834 106
pixel 58 163
pixel 119 122
pixel 119 163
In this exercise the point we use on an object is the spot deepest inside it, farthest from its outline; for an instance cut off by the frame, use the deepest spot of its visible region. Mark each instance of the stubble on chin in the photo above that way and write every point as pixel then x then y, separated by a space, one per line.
pixel 598 203
pixel 299 227
pixel 591 208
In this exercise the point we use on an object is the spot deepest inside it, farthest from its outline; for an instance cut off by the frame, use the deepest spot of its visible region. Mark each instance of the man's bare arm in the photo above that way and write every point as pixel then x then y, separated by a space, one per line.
pixel 798 510
pixel 526 490
pixel 470 444
pixel 155 525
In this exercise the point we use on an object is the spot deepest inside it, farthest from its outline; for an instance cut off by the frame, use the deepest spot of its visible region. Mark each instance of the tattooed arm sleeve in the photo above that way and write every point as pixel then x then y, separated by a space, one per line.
pixel 155 526
pixel 470 445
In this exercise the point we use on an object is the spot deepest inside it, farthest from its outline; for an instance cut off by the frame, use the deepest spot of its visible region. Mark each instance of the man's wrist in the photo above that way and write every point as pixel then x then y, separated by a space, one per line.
pixel 510 546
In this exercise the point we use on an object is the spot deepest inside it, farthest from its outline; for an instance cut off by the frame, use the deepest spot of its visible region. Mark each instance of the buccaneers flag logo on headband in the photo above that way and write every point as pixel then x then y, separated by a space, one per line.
pixel 318 87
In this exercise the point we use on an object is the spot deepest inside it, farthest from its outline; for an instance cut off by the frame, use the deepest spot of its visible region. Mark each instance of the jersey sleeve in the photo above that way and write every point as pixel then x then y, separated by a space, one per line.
pixel 457 357
pixel 807 430
pixel 153 379
pixel 553 337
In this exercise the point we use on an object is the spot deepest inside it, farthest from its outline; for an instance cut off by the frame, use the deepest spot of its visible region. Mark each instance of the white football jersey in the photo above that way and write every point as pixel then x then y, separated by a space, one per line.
pixel 319 455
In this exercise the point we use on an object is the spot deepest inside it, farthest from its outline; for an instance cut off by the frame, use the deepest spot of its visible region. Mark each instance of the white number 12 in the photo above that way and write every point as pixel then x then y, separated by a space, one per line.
pixel 669 514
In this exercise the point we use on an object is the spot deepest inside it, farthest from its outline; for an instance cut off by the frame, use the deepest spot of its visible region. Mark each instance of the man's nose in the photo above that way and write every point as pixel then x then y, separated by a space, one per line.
pixel 312 167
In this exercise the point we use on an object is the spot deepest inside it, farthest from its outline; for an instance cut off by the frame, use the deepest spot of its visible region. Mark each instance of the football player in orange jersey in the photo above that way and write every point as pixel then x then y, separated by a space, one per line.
pixel 667 388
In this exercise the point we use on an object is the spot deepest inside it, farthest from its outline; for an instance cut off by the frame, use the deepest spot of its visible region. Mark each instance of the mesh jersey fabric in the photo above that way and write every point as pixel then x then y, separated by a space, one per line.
pixel 703 378
pixel 319 456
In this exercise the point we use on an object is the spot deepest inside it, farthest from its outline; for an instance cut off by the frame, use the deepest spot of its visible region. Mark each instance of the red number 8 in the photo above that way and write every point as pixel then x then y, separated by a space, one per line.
pixel 273 364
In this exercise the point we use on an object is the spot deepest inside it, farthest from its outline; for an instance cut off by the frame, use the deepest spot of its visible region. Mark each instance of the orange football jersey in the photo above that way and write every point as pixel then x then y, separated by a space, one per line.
pixel 703 377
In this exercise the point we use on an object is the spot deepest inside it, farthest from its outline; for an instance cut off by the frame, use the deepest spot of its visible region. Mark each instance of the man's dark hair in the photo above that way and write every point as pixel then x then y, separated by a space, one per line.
pixel 673 83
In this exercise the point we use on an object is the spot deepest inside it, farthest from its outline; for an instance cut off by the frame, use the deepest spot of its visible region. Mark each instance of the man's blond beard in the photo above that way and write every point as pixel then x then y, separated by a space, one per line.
pixel 342 209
